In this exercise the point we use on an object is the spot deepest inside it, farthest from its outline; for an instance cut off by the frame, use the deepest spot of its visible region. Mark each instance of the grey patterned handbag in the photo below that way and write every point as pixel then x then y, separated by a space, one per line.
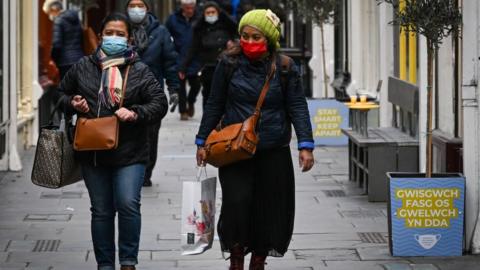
pixel 54 165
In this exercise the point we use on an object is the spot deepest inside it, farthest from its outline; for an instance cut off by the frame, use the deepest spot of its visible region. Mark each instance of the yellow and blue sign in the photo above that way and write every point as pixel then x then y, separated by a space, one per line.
pixel 328 118
pixel 426 215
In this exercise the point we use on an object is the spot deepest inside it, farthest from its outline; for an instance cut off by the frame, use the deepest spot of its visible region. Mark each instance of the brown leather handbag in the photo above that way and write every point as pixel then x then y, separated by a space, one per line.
pixel 99 133
pixel 238 141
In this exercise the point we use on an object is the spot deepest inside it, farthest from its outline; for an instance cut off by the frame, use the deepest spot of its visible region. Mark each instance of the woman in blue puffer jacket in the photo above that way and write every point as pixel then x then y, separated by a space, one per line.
pixel 156 49
pixel 67 40
pixel 258 195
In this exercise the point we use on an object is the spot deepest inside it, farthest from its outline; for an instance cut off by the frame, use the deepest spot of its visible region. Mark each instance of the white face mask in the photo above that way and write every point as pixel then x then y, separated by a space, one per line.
pixel 211 19
pixel 137 14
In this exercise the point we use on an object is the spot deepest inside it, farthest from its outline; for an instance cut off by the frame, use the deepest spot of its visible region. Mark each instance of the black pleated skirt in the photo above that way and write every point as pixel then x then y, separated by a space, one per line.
pixel 258 203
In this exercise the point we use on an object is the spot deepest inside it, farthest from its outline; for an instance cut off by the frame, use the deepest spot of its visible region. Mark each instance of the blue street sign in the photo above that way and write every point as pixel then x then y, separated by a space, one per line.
pixel 426 215
pixel 328 118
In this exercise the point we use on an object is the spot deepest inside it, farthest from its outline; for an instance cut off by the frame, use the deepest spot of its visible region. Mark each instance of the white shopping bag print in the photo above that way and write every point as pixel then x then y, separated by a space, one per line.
pixel 198 214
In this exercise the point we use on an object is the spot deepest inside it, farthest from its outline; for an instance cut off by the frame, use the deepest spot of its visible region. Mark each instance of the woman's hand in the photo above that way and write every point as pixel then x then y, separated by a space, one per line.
pixel 181 75
pixel 126 115
pixel 201 157
pixel 306 160
pixel 80 104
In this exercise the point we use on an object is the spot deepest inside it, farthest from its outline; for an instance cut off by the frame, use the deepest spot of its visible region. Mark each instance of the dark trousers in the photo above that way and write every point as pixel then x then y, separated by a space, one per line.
pixel 207 77
pixel 191 98
pixel 153 131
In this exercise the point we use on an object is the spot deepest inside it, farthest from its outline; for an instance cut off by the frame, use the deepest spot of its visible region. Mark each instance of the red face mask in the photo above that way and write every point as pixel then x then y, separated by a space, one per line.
pixel 253 50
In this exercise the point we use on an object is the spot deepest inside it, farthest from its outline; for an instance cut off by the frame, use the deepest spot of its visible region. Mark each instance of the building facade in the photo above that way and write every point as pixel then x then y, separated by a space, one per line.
pixel 19 81
pixel 363 43
pixel 471 119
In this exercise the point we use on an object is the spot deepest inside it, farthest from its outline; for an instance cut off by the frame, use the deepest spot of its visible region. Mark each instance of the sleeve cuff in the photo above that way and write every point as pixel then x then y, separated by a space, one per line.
pixel 306 145
pixel 199 142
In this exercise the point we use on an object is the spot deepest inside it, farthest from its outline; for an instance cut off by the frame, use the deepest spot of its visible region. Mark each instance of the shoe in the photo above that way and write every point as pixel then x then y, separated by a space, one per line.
pixel 147 183
pixel 130 267
pixel 237 257
pixel 257 262
pixel 191 109
pixel 184 117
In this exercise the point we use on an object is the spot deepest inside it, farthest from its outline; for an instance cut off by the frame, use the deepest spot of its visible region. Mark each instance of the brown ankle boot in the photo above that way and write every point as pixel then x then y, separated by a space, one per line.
pixel 237 257
pixel 130 267
pixel 257 262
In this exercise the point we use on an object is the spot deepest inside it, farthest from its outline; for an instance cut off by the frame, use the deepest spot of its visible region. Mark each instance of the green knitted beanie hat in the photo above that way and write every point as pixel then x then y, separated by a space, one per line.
pixel 266 22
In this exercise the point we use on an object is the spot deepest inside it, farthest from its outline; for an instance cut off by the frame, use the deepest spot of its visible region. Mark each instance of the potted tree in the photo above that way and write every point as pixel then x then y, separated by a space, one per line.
pixel 426 210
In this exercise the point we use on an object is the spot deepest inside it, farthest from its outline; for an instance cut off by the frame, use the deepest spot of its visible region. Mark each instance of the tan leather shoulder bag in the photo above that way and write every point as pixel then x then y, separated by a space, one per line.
pixel 99 133
pixel 238 141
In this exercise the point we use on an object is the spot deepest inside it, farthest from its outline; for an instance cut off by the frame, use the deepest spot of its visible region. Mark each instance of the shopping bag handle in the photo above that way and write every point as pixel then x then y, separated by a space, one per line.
pixel 199 172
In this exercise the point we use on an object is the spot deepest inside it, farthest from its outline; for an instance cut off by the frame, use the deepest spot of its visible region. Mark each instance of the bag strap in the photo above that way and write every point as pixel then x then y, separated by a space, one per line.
pixel 124 87
pixel 266 86
pixel 56 109
pixel 286 67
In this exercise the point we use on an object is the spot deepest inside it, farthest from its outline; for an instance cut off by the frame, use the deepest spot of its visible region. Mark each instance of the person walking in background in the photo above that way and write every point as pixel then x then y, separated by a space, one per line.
pixel 258 194
pixel 114 178
pixel 180 26
pixel 156 49
pixel 67 40
pixel 213 32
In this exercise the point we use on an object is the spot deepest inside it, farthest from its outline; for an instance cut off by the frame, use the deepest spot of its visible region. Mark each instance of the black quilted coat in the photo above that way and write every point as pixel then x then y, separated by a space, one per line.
pixel 144 95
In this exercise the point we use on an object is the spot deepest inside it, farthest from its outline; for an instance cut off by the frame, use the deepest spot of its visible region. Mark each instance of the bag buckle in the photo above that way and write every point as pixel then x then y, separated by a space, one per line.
pixel 228 146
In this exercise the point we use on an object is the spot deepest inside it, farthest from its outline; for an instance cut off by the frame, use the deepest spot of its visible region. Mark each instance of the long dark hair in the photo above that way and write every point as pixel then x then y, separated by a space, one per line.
pixel 116 16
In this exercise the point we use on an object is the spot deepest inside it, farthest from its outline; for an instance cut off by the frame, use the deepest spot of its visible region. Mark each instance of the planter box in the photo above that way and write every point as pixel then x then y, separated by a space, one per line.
pixel 426 215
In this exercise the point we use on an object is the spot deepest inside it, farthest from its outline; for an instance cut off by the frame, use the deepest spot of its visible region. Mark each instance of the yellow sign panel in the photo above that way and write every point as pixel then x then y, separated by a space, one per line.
pixel 427 208
pixel 327 123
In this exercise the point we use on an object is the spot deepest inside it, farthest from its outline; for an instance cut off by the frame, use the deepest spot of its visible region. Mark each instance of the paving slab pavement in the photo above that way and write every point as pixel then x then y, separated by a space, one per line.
pixel 42 229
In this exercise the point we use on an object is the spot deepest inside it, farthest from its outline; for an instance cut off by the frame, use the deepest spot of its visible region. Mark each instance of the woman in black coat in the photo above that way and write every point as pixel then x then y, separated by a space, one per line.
pixel 93 87
pixel 212 34
pixel 258 194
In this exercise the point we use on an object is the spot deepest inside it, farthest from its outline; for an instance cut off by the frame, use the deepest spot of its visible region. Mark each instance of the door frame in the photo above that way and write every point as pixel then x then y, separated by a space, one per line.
pixel 5 106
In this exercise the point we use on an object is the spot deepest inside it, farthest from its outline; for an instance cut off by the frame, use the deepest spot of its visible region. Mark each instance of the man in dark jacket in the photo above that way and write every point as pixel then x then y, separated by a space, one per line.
pixel 180 26
pixel 156 49
pixel 67 35
pixel 213 32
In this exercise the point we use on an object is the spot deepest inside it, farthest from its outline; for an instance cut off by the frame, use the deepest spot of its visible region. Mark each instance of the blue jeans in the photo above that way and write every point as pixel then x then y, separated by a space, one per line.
pixel 111 190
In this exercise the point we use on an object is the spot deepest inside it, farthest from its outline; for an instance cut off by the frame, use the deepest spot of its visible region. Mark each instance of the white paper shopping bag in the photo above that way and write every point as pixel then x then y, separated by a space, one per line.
pixel 198 214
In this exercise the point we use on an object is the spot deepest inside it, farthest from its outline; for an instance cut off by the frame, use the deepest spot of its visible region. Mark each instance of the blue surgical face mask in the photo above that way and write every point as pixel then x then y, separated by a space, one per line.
pixel 112 45
pixel 211 19
pixel 137 14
